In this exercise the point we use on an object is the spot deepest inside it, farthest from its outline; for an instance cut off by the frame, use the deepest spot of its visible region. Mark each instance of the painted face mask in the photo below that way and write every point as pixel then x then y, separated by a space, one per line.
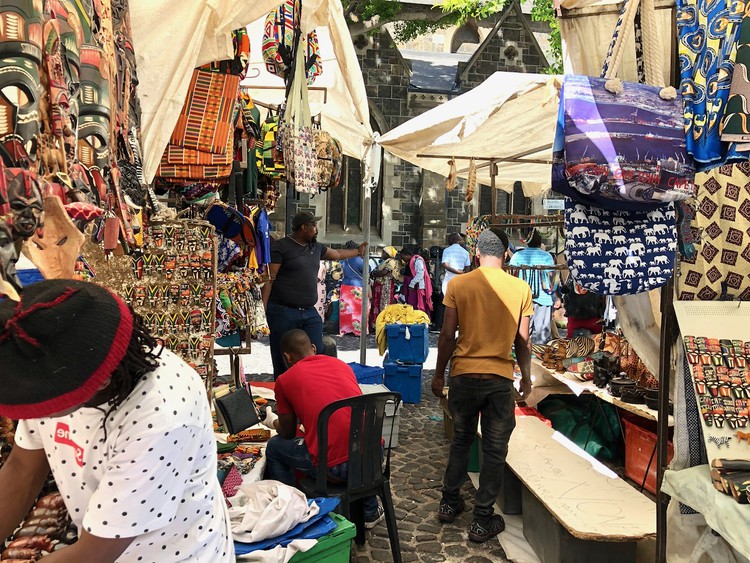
pixel 9 282
pixel 20 84
pixel 95 113
pixel 56 252
pixel 63 37
pixel 25 202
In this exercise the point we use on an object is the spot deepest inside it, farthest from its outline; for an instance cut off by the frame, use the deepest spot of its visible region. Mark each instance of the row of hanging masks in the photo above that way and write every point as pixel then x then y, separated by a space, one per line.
pixel 69 118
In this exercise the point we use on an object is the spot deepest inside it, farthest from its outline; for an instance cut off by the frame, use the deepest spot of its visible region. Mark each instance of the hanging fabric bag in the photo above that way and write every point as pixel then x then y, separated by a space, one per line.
pixel 621 145
pixel 278 42
pixel 300 159
pixel 330 160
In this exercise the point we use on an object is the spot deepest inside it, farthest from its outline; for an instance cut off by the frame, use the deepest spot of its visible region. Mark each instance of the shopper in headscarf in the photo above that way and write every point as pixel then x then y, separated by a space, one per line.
pixel 386 280
pixel 124 425
pixel 417 288
pixel 350 301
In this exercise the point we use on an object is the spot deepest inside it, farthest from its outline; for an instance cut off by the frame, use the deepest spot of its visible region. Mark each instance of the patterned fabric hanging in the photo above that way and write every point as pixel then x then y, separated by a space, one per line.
pixel 721 231
pixel 708 33
pixel 278 42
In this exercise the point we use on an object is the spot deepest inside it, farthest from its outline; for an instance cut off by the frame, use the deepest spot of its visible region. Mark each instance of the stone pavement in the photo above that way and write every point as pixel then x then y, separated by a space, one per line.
pixel 417 467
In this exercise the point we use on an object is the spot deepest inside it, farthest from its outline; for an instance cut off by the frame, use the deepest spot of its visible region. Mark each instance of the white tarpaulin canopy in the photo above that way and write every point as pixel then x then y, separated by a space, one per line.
pixel 338 94
pixel 172 37
pixel 509 117
pixel 586 28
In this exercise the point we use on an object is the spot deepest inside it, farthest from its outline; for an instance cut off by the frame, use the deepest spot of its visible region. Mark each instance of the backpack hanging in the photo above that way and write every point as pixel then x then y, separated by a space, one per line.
pixel 278 42
pixel 330 160
pixel 270 162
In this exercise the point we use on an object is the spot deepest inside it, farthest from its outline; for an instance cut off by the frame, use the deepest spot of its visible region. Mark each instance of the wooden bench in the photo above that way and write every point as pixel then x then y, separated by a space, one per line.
pixel 574 508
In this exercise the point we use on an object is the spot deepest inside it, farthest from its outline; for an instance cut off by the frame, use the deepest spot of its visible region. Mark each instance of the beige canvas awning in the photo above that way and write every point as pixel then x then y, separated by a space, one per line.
pixel 586 28
pixel 172 37
pixel 338 94
pixel 510 117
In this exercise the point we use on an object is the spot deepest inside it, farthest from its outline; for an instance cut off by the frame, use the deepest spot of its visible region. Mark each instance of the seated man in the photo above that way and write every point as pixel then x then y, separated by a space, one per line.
pixel 311 383
pixel 124 426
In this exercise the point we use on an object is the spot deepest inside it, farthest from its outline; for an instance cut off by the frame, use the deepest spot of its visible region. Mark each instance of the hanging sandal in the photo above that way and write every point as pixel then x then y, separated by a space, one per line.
pixel 481 532
pixel 447 513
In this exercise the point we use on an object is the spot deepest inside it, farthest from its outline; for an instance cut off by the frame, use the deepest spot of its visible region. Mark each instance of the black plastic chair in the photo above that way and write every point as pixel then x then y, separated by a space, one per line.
pixel 368 473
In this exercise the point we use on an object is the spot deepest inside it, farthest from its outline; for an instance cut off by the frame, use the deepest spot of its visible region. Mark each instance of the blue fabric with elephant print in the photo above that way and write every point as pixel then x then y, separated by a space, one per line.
pixel 620 252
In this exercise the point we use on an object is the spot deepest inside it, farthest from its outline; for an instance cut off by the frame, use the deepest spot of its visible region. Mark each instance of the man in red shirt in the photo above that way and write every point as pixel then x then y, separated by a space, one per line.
pixel 311 383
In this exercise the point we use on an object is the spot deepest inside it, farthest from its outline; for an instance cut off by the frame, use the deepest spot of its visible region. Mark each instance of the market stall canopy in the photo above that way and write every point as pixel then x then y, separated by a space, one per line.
pixel 172 37
pixel 586 28
pixel 509 117
pixel 338 94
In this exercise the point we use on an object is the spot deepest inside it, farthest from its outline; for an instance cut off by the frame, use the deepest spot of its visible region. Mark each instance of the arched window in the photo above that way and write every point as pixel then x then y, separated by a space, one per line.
pixel 466 38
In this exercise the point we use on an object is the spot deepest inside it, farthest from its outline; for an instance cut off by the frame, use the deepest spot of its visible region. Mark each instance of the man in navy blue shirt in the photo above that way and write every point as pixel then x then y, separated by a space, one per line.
pixel 291 294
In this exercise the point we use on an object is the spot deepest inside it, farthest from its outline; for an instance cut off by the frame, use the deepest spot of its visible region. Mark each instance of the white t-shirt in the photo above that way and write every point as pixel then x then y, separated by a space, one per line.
pixel 154 478
pixel 457 257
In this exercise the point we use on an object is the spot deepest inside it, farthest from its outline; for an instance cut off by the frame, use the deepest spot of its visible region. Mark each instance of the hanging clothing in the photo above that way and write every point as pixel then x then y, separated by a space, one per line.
pixel 708 33
pixel 320 306
pixel 350 300
pixel 538 280
pixel 262 237
pixel 350 310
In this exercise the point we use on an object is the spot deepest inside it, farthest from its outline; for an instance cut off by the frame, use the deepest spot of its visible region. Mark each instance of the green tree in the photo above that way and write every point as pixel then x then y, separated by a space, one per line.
pixel 366 16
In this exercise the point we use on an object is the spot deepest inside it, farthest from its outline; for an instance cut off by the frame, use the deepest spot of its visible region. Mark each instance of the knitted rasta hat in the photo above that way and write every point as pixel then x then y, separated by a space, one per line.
pixel 59 344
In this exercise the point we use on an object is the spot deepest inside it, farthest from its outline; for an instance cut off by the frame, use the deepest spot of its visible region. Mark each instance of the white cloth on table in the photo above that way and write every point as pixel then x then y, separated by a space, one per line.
pixel 267 509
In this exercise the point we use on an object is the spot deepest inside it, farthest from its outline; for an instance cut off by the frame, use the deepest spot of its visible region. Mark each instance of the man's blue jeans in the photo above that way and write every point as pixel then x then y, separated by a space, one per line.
pixel 282 319
pixel 284 456
pixel 467 398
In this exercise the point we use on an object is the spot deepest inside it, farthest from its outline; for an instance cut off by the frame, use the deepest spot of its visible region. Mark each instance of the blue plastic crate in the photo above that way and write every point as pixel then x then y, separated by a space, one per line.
pixel 411 351
pixel 405 379
pixel 370 375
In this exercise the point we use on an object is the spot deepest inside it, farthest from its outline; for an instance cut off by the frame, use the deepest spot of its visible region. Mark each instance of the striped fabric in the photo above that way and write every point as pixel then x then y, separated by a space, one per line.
pixel 179 155
pixel 194 172
pixel 205 120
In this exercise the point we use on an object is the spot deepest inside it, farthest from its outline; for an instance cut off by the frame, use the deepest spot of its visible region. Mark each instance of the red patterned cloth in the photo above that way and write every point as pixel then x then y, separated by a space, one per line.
pixel 204 122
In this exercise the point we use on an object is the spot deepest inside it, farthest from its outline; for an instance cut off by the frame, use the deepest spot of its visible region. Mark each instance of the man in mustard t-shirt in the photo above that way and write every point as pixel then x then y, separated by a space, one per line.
pixel 491 310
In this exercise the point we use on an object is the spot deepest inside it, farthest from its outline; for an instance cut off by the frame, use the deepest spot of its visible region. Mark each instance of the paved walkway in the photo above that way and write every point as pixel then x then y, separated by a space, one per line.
pixel 417 467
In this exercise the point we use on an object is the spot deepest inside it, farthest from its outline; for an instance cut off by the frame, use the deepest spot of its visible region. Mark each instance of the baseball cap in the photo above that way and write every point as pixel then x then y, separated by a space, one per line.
pixel 303 217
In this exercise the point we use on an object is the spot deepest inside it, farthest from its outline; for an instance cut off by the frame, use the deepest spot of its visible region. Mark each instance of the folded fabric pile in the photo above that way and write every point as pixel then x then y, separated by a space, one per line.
pixel 397 314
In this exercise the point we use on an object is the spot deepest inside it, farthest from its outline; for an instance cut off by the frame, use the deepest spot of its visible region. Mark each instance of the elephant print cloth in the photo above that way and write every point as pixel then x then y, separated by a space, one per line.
pixel 620 252
pixel 708 32
pixel 720 268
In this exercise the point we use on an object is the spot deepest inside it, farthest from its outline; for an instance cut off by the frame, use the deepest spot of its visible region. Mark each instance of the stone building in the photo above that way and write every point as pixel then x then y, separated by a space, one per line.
pixel 411 205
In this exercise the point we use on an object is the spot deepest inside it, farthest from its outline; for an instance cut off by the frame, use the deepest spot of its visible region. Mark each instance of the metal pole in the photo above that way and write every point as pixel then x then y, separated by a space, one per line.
pixel 288 209
pixel 662 429
pixel 493 194
pixel 367 189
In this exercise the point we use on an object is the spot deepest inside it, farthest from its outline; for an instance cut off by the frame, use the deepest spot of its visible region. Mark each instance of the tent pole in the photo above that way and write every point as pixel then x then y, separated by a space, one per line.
pixel 493 195
pixel 367 189
pixel 668 330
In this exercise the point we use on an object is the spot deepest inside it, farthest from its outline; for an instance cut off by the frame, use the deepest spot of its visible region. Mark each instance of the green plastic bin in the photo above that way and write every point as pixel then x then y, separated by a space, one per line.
pixel 331 548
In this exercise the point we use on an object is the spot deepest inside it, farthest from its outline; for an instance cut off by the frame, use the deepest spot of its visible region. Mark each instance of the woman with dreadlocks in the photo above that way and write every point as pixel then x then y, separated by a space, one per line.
pixel 124 426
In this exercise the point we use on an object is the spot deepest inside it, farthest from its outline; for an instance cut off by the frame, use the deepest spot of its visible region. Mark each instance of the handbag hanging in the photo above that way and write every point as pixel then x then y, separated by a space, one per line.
pixel 621 145
pixel 300 158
